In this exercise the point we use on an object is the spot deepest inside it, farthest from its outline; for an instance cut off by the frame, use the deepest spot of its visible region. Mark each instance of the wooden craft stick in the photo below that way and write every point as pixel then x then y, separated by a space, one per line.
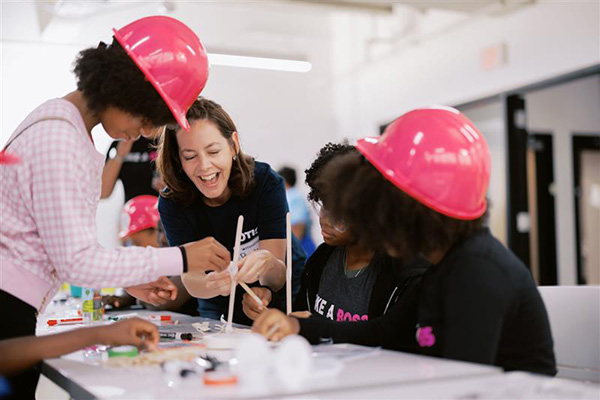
pixel 251 293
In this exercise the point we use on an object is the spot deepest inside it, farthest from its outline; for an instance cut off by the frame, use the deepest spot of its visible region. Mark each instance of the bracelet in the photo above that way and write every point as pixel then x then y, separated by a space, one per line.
pixel 184 258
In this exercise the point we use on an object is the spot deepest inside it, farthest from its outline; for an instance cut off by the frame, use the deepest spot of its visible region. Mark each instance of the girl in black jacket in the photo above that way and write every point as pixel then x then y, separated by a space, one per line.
pixel 420 188
pixel 343 282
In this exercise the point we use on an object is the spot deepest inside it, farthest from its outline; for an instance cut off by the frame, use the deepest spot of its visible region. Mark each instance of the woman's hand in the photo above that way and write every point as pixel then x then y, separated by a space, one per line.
pixel 251 308
pixel 255 265
pixel 207 255
pixel 220 282
pixel 275 325
pixel 134 331
pixel 117 302
pixel 156 293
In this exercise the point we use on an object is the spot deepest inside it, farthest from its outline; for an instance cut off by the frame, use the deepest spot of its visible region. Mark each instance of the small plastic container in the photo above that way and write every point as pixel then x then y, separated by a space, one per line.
pixel 76 291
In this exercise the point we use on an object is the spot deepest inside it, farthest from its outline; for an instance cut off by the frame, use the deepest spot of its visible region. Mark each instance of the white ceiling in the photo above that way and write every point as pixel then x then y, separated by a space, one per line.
pixel 277 28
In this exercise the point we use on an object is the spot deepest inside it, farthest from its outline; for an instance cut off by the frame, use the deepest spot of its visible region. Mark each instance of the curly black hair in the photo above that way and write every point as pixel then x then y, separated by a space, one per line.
pixel 326 154
pixel 107 76
pixel 385 217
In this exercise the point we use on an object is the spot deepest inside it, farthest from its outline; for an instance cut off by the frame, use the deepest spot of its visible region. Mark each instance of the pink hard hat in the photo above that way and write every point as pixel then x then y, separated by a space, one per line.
pixel 438 157
pixel 171 57
pixel 138 214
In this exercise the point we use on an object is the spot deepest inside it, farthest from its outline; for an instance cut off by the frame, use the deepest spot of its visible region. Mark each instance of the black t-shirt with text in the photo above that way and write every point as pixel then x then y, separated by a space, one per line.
pixel 264 210
pixel 137 169
pixel 341 298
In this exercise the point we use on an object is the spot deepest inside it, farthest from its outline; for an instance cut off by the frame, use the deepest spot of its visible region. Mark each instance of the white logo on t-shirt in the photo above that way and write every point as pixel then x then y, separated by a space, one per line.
pixel 249 242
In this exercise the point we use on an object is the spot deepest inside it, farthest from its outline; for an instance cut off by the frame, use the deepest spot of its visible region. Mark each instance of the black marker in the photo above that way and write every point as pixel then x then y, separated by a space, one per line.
pixel 176 335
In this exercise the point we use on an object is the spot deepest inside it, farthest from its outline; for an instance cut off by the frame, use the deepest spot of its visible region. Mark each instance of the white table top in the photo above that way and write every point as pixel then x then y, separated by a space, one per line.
pixel 372 369
pixel 379 369
pixel 511 385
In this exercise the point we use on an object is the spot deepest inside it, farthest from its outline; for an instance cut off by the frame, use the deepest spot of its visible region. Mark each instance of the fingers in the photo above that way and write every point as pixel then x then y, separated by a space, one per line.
pixel 264 294
pixel 219 282
pixel 207 254
pixel 218 264
pixel 153 299
pixel 221 251
pixel 252 307
pixel 221 257
pixel 145 334
pixel 250 271
pixel 164 283
pixel 266 321
pixel 301 314
pixel 255 265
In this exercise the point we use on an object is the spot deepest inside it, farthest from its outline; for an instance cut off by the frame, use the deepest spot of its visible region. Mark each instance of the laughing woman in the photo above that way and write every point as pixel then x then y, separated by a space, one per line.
pixel 210 182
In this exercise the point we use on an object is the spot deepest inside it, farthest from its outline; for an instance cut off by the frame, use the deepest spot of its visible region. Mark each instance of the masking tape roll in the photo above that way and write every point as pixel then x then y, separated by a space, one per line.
pixel 122 351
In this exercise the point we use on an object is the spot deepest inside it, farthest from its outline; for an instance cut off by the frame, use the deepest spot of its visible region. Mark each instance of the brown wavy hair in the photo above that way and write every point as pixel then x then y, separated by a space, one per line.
pixel 178 186
pixel 383 216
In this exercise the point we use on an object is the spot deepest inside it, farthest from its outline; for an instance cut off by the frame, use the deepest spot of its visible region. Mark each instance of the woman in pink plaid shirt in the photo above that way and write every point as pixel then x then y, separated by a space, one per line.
pixel 147 78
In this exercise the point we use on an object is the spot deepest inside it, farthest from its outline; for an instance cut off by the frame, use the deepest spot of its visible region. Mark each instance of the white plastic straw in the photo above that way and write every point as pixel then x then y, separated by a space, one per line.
pixel 288 270
pixel 233 270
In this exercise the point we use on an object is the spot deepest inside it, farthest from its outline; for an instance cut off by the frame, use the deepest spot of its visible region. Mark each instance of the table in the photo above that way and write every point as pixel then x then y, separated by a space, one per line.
pixel 369 369
pixel 510 385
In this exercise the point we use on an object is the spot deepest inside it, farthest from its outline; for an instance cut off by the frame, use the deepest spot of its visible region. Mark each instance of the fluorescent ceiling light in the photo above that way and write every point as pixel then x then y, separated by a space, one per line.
pixel 276 64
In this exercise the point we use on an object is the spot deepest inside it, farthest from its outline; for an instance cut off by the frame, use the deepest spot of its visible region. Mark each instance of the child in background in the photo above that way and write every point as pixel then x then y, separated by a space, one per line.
pixel 421 188
pixel 301 221
pixel 343 281
pixel 140 225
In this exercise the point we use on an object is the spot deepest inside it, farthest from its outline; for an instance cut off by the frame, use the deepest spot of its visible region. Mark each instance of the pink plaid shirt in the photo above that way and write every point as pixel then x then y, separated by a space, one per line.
pixel 47 214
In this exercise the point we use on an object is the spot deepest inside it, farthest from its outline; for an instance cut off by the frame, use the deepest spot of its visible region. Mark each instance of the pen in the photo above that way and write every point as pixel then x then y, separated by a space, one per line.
pixel 65 321
pixel 176 335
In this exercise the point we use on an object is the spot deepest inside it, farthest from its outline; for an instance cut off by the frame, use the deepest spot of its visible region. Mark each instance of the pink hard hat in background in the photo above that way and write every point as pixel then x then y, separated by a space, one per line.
pixel 171 57
pixel 138 214
pixel 438 157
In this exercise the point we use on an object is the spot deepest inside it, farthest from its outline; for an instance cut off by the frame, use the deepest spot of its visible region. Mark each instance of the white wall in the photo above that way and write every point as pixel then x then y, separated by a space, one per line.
pixel 490 120
pixel 542 41
pixel 564 110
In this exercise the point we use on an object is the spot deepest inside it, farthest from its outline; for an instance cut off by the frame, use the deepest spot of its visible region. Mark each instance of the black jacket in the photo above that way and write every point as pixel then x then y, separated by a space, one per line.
pixel 389 285
pixel 479 304
pixel 394 298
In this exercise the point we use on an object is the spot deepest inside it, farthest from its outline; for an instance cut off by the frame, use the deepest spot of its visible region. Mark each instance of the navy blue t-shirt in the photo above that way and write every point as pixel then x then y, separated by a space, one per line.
pixel 264 210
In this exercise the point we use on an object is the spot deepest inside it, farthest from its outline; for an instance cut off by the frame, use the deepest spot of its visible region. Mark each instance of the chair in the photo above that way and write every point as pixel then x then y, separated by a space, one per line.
pixel 574 313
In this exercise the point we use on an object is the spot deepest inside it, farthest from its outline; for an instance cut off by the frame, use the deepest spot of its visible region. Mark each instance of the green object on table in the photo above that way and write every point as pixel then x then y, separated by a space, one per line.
pixel 123 351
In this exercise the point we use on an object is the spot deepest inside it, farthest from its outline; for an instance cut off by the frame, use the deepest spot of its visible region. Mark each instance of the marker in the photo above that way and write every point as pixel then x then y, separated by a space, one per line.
pixel 121 317
pixel 160 318
pixel 219 378
pixel 176 335
pixel 65 321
